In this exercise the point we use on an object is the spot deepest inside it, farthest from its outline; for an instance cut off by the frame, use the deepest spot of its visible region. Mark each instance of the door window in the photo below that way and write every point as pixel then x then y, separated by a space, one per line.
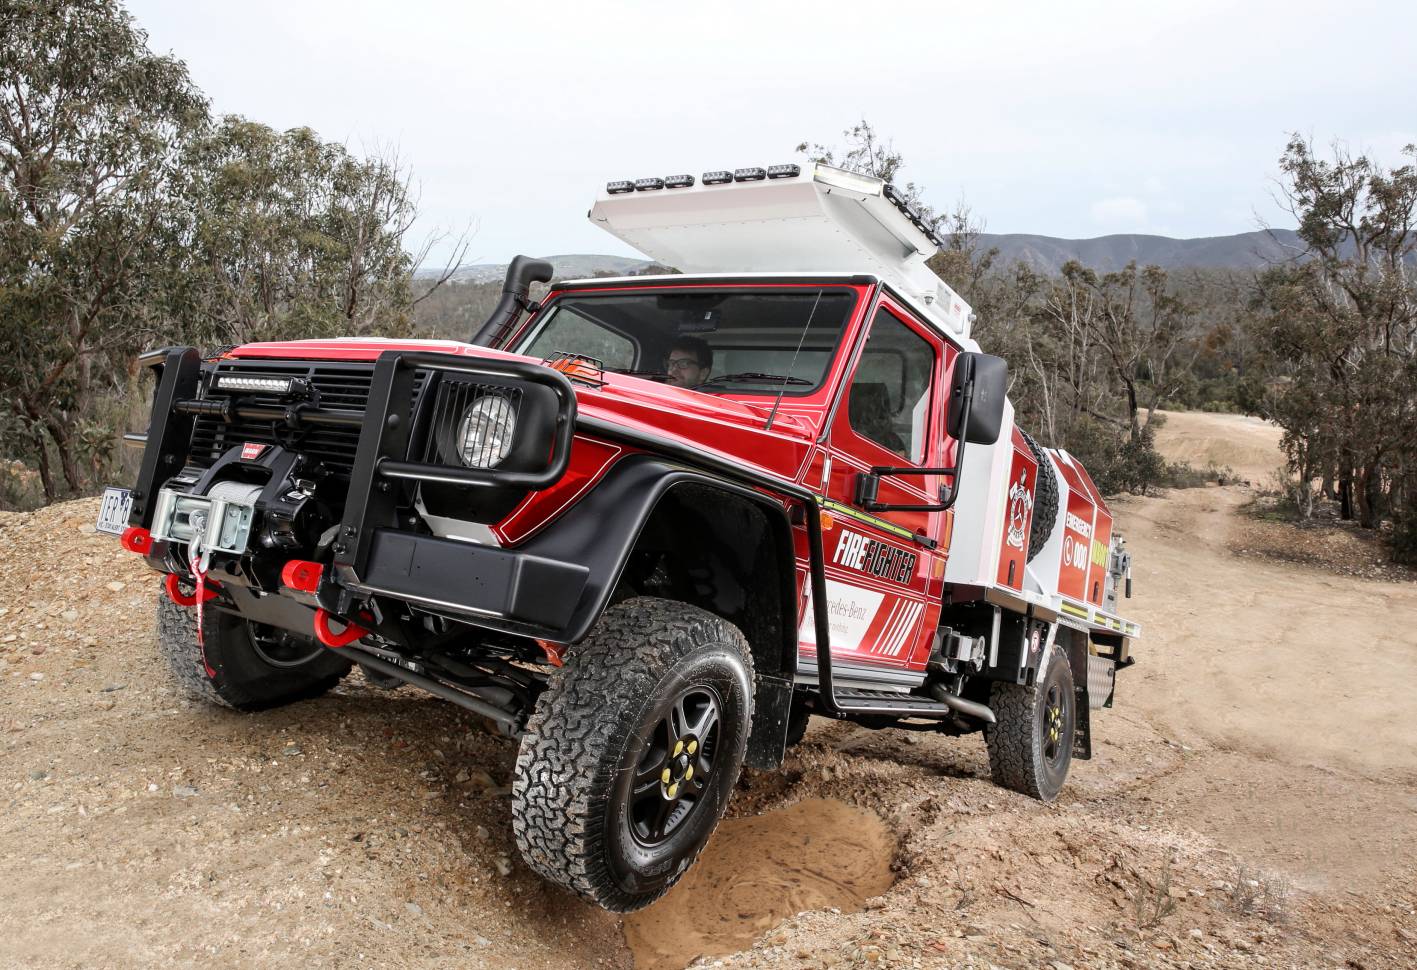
pixel 889 398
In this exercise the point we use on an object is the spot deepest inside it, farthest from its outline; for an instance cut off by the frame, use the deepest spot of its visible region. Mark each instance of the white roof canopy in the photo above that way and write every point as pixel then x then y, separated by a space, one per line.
pixel 818 220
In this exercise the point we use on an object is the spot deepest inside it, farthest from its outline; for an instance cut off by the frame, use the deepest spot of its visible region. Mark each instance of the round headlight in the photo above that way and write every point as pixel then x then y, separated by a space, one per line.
pixel 485 432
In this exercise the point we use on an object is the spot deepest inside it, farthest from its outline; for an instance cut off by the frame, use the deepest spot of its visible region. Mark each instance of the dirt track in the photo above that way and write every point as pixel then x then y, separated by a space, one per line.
pixel 1267 736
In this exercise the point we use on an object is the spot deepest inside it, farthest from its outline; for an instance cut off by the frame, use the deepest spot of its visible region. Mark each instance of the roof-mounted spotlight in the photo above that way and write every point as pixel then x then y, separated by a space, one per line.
pixel 678 181
pixel 784 171
pixel 620 187
pixel 717 178
pixel 648 185
pixel 749 174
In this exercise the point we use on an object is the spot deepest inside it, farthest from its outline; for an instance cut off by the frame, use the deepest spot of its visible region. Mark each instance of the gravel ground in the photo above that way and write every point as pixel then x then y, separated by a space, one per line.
pixel 1229 818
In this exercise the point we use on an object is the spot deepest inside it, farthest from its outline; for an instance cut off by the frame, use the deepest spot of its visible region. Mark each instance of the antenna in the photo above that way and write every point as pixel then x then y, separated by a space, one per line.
pixel 793 363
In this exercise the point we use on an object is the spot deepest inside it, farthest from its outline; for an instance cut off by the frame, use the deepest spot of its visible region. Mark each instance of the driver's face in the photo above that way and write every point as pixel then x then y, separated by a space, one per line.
pixel 684 370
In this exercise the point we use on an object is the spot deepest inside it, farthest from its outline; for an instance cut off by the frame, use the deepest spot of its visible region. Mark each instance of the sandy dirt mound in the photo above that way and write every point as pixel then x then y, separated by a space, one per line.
pixel 1253 799
pixel 815 854
pixel 1249 446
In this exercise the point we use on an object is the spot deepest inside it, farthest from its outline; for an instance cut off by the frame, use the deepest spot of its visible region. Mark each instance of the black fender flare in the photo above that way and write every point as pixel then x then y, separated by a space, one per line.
pixel 601 530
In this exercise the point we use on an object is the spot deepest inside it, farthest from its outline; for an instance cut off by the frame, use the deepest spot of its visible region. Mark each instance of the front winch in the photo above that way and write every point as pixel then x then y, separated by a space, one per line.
pixel 219 521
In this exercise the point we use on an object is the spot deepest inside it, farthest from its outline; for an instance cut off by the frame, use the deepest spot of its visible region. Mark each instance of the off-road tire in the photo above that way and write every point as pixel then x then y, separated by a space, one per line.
pixel 227 670
pixel 1019 741
pixel 572 796
pixel 1045 499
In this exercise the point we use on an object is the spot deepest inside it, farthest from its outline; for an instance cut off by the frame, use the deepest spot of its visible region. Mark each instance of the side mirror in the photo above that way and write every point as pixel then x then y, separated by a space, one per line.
pixel 978 389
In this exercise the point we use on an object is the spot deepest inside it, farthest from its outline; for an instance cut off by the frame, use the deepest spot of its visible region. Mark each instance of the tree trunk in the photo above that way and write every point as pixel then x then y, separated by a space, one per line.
pixel 1133 411
pixel 1345 496
pixel 1370 495
pixel 46 477
pixel 65 446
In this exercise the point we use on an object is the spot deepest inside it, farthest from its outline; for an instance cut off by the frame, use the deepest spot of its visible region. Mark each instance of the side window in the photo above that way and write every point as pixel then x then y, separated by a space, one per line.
pixel 889 397
pixel 570 332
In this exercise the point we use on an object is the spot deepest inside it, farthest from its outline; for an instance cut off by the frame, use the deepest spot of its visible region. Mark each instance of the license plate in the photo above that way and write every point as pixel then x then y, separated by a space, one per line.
pixel 113 513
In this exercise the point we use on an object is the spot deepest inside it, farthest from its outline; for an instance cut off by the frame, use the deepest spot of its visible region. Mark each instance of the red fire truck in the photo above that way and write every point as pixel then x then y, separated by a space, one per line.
pixel 646 527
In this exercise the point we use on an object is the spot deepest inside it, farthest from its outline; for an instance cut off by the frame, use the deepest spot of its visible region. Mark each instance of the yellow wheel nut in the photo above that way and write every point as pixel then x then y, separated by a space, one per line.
pixel 673 790
pixel 688 772
pixel 664 776
pixel 693 746
pixel 678 747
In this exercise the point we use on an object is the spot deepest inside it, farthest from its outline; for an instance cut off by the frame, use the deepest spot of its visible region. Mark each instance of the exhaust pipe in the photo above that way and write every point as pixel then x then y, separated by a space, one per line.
pixel 522 272
pixel 961 706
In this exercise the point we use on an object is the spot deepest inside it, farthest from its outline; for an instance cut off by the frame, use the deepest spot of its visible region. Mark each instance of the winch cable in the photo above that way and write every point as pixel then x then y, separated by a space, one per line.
pixel 198 557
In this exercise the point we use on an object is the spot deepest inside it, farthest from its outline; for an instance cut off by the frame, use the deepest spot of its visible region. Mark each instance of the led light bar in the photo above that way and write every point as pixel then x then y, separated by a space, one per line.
pixel 784 171
pixel 648 185
pixel 717 178
pixel 679 182
pixel 620 187
pixel 749 174
pixel 242 382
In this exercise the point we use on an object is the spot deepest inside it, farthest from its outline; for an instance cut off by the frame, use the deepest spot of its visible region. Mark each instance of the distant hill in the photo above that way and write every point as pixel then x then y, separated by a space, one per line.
pixel 1248 250
pixel 568 267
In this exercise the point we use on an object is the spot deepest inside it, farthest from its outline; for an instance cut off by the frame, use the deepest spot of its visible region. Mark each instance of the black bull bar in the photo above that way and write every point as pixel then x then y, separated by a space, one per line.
pixel 412 567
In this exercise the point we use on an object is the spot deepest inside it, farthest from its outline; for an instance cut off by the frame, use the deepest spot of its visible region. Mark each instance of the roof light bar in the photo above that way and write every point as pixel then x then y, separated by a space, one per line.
pixel 784 171
pixel 268 385
pixel 620 187
pixel 678 181
pixel 749 174
pixel 842 179
pixel 718 177
pixel 648 185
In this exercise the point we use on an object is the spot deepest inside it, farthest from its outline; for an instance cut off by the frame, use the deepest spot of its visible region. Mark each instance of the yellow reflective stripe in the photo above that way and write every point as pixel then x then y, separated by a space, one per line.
pixel 860 516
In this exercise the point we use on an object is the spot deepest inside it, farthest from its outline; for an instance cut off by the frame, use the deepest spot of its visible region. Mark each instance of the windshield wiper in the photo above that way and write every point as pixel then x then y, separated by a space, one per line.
pixel 653 375
pixel 753 377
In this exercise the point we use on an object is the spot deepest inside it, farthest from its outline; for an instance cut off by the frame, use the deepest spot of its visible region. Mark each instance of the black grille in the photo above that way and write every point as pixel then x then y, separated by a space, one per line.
pixel 343 387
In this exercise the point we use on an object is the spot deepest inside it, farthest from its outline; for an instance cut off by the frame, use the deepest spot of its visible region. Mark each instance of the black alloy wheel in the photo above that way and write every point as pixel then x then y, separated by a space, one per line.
pixel 281 648
pixel 675 765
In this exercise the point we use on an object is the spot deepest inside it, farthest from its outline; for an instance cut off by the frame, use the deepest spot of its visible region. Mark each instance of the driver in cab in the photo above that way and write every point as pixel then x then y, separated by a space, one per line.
pixel 689 363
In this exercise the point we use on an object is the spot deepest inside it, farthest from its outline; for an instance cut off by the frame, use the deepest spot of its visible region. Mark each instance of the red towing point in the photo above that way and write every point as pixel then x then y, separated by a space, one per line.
pixel 302 575
pixel 137 539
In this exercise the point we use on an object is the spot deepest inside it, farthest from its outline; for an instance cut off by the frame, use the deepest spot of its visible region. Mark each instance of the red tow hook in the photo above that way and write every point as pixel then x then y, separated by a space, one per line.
pixel 302 575
pixel 136 539
pixel 329 638
pixel 183 599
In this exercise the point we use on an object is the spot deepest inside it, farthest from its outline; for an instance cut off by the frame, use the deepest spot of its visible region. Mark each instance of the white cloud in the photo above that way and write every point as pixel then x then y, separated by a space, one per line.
pixel 1122 213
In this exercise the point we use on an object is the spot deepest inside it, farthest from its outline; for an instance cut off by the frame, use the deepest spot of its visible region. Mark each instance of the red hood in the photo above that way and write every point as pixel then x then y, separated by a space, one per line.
pixel 733 428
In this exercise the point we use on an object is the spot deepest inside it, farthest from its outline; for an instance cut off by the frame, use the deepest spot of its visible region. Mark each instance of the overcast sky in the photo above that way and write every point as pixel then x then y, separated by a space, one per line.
pixel 1072 119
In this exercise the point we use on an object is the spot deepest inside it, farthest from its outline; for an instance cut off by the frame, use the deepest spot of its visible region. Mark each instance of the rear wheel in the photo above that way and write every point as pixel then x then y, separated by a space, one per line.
pixel 243 665
pixel 628 762
pixel 1031 745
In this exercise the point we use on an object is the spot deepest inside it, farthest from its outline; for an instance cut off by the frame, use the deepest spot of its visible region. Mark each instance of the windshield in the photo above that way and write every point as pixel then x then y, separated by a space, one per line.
pixel 718 342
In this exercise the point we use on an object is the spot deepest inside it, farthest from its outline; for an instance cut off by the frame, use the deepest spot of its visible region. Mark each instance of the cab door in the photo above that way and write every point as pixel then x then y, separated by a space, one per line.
pixel 885 568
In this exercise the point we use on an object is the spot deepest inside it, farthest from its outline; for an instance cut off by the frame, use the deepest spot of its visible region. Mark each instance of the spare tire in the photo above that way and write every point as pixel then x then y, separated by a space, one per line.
pixel 1045 499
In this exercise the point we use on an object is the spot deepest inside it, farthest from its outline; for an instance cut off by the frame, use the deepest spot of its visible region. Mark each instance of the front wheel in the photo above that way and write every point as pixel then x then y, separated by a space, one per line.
pixel 628 762
pixel 1031 745
pixel 240 664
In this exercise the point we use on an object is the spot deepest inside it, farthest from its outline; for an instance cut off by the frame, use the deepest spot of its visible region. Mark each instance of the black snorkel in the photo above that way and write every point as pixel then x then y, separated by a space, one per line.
pixel 522 272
